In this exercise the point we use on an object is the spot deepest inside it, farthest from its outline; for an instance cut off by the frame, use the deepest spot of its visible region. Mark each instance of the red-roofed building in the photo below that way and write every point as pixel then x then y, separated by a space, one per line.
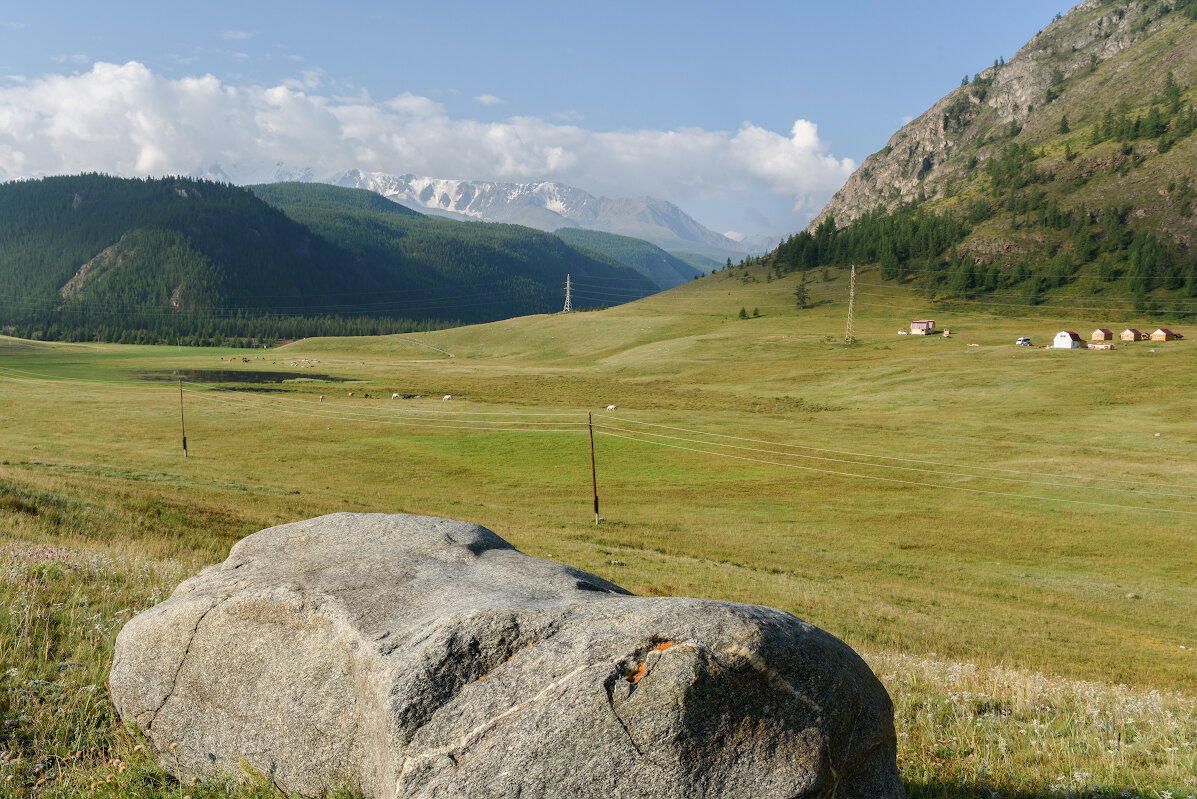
pixel 1130 334
pixel 1164 334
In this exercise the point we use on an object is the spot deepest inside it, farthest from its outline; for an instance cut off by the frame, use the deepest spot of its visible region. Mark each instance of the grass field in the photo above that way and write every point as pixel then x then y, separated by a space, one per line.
pixel 1006 533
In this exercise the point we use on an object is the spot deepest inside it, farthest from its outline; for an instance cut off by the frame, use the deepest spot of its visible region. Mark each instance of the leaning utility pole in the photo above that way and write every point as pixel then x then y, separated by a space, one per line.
pixel 182 423
pixel 593 472
pixel 850 336
pixel 568 305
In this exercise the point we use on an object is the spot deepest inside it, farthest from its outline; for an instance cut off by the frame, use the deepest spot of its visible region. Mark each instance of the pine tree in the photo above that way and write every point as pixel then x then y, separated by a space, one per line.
pixel 801 295
pixel 1172 95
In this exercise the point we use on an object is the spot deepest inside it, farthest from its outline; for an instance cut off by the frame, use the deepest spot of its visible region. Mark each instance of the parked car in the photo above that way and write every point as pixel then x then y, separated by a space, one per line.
pixel 1023 341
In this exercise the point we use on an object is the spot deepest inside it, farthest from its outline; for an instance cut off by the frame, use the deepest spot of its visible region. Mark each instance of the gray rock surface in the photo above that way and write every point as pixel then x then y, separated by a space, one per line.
pixel 413 656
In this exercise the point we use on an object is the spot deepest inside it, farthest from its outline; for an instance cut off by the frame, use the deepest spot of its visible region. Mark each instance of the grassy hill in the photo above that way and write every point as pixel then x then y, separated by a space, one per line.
pixel 701 263
pixel 95 257
pixel 1070 169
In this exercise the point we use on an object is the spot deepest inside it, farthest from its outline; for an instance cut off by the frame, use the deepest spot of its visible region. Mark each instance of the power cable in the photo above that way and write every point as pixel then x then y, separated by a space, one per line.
pixel 906 482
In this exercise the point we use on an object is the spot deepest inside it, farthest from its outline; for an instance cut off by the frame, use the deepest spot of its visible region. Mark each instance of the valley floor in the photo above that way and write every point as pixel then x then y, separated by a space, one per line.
pixel 1006 533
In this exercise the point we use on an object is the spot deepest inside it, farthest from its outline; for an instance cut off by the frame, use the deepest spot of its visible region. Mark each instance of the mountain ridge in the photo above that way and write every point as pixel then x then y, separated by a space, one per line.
pixel 546 205
pixel 928 159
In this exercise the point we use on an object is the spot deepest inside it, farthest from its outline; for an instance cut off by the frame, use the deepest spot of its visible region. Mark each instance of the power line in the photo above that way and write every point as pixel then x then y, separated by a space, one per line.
pixel 370 412
pixel 905 482
pixel 868 455
pixel 514 426
pixel 899 468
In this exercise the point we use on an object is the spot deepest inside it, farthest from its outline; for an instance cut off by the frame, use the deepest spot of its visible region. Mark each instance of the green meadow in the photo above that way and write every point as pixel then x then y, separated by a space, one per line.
pixel 1005 533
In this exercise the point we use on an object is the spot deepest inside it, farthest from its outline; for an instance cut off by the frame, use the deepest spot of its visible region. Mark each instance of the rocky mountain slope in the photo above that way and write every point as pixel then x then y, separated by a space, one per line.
pixel 1100 101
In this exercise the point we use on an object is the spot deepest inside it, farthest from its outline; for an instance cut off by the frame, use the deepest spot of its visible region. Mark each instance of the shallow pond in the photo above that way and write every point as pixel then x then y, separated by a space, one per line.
pixel 239 376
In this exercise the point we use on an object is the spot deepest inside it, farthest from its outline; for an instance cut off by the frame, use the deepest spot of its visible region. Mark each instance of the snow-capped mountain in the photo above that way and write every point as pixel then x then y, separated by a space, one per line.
pixel 546 206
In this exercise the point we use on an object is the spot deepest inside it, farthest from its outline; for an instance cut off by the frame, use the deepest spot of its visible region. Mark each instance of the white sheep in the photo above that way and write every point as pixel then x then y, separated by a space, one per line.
pixel 394 396
pixel 612 408
pixel 447 398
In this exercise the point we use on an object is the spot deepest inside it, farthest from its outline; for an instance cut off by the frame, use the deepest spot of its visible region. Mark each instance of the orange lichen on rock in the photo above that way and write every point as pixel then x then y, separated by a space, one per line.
pixel 634 676
pixel 661 647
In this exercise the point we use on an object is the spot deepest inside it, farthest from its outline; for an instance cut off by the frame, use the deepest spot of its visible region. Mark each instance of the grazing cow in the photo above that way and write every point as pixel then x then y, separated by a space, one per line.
pixel 322 398
pixel 365 396
pixel 612 408
pixel 447 398
pixel 394 396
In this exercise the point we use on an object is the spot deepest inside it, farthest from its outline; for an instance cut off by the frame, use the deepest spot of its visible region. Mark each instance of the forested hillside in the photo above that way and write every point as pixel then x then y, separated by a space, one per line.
pixel 467 269
pixel 1068 171
pixel 170 259
pixel 659 266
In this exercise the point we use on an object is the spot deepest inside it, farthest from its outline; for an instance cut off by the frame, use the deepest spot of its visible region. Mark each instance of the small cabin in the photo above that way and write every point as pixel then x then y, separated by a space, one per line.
pixel 1102 334
pixel 1130 334
pixel 1164 334
pixel 922 327
pixel 1068 340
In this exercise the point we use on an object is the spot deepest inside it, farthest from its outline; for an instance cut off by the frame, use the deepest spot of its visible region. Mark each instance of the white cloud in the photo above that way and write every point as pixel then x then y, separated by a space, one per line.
pixel 127 120
pixel 489 99
pixel 415 105
pixel 18 26
pixel 735 235
pixel 308 80
pixel 236 36
pixel 71 58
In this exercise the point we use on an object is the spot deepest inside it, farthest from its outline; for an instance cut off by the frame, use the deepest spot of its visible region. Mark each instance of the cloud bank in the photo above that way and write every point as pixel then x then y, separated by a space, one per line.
pixel 127 120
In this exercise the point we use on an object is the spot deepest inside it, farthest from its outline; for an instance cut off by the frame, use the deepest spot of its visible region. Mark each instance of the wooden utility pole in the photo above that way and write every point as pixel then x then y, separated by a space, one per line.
pixel 850 336
pixel 182 425
pixel 593 473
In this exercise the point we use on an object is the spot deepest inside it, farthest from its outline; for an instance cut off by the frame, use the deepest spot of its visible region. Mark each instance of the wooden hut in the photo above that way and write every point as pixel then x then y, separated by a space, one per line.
pixel 1102 334
pixel 1130 334
pixel 922 327
pixel 1164 334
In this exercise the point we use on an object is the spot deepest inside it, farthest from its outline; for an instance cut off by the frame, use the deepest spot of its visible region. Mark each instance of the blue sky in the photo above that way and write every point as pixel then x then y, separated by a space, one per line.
pixel 696 103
